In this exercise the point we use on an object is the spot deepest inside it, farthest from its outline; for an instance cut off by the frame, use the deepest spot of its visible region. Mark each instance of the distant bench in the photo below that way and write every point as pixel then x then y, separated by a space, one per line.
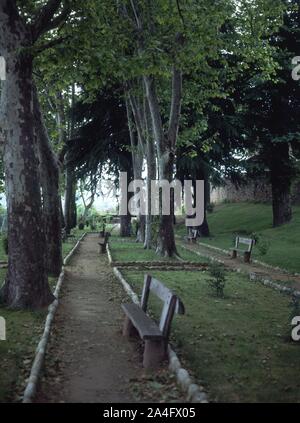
pixel 246 251
pixel 138 322
pixel 103 242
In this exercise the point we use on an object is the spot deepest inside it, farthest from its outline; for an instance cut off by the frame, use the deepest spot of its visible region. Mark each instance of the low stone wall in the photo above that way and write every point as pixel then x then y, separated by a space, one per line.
pixel 257 190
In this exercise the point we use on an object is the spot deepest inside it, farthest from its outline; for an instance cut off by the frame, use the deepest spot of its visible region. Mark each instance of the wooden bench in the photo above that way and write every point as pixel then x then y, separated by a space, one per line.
pixel 246 251
pixel 138 322
pixel 192 235
pixel 103 243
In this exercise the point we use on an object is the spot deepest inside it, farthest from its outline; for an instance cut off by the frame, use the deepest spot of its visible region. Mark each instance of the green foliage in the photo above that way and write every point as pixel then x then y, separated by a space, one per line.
pixel 262 244
pixel 217 279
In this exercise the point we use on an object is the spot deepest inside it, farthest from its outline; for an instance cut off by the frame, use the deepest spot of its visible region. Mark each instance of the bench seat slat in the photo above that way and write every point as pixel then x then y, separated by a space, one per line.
pixel 145 326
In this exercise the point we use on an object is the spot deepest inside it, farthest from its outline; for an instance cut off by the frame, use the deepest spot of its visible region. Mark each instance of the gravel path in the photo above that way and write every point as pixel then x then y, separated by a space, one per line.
pixel 88 359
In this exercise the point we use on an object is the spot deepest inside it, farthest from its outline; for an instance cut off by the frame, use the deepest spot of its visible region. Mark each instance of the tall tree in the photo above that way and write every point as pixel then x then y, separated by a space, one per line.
pixel 270 110
pixel 51 203
pixel 26 284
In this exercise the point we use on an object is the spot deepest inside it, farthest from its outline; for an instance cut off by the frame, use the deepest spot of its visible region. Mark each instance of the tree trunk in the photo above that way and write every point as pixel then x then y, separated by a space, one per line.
pixel 125 226
pixel 125 220
pixel 137 146
pixel 166 146
pixel 62 217
pixel 281 180
pixel 203 230
pixel 151 174
pixel 26 285
pixel 166 245
pixel 49 174
pixel 70 199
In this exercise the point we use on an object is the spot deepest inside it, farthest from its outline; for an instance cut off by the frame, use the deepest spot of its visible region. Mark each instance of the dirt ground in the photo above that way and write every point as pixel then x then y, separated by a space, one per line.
pixel 88 360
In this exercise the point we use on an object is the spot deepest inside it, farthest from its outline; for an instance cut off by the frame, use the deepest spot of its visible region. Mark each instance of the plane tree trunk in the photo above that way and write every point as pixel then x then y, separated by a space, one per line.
pixel 166 147
pixel 26 284
pixel 49 174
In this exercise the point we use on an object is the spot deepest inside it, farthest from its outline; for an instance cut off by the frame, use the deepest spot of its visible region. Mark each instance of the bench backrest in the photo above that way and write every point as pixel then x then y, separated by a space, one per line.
pixel 246 241
pixel 172 304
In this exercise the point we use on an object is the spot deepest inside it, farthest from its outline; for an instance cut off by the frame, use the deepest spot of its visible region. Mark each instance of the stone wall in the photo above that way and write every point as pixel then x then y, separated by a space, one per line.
pixel 259 190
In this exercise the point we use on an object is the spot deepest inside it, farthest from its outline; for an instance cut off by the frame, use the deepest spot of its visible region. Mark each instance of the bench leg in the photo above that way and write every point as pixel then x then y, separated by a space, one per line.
pixel 234 254
pixel 154 354
pixel 247 257
pixel 128 329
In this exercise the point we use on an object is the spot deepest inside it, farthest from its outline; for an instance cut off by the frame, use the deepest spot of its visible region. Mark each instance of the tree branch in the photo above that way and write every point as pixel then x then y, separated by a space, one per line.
pixel 155 113
pixel 56 41
pixel 175 105
pixel 46 20
pixel 180 13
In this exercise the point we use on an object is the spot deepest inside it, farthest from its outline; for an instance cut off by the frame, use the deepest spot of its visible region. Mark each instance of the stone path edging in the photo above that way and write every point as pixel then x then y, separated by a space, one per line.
pixel 261 263
pixel 227 252
pixel 38 362
pixel 194 393
pixel 253 276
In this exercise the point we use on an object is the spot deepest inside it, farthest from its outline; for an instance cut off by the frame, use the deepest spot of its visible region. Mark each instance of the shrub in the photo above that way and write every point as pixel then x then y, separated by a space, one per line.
pixel 261 243
pixel 217 280
pixel 81 225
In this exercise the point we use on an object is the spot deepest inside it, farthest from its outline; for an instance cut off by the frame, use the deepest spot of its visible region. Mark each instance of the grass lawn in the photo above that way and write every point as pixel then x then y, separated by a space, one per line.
pixel 23 332
pixel 237 347
pixel 283 243
pixel 123 250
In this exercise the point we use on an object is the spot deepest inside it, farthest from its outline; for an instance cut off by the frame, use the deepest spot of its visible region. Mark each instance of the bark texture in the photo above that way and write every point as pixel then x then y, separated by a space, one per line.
pixel 26 284
pixel 166 147
pixel 49 174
